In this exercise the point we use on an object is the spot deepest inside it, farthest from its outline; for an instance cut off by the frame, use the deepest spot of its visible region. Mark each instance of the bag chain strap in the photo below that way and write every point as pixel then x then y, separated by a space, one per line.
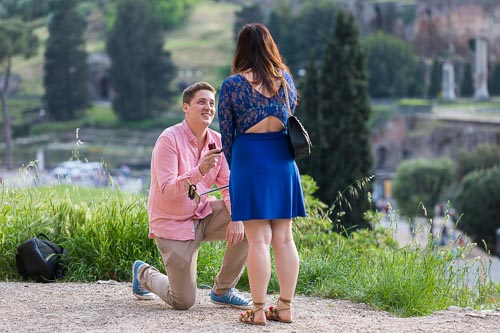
pixel 286 96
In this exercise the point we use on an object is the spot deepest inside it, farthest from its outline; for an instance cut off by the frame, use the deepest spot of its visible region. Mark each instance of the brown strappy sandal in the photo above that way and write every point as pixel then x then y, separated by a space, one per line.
pixel 248 316
pixel 273 312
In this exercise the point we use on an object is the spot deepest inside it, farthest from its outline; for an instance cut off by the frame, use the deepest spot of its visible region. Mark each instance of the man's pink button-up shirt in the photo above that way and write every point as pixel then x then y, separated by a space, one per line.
pixel 175 158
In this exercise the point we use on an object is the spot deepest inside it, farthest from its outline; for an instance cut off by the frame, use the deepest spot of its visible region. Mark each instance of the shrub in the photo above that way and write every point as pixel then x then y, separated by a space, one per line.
pixel 481 158
pixel 420 183
pixel 478 199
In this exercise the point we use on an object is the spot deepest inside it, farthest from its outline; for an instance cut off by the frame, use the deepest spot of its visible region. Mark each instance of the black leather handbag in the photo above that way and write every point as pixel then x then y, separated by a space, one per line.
pixel 298 138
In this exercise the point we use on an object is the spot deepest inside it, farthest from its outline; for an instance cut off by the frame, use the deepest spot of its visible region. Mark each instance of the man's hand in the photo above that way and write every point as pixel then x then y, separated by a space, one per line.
pixel 210 160
pixel 235 233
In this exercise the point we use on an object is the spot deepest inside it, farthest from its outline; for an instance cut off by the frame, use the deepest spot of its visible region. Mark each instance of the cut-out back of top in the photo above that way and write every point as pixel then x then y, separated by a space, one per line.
pixel 241 107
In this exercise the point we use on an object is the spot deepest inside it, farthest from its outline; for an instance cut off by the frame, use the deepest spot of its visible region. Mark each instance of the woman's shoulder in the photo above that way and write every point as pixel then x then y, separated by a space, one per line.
pixel 233 79
pixel 288 77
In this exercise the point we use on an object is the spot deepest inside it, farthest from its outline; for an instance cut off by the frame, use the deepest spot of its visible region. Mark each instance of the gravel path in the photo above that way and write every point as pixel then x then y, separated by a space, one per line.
pixel 110 307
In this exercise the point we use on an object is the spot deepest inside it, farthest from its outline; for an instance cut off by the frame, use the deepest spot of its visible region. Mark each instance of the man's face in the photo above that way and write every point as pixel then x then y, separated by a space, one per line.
pixel 201 110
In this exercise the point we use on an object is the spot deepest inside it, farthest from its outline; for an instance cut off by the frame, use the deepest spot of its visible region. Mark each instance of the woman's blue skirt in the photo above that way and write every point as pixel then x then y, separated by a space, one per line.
pixel 265 180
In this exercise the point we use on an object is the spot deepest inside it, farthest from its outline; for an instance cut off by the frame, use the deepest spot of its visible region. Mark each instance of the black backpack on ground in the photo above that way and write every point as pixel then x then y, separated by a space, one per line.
pixel 41 260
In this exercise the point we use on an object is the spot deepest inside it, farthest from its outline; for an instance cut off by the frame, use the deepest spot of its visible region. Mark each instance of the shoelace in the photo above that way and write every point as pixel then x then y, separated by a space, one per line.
pixel 233 293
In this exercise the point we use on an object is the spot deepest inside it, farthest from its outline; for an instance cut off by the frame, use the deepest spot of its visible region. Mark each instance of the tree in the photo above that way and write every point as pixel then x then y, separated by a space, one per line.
pixel 481 158
pixel 392 65
pixel 248 14
pixel 435 84
pixel 343 151
pixel 141 70
pixel 16 38
pixel 66 70
pixel 495 80
pixel 421 182
pixel 170 13
pixel 308 111
pixel 478 199
pixel 467 84
pixel 279 24
pixel 306 30
pixel 27 9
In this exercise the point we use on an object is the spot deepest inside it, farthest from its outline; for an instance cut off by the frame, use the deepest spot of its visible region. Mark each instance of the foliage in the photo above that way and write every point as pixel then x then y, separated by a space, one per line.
pixel 419 183
pixel 26 9
pixel 279 23
pixel 413 102
pixel 495 80
pixel 417 81
pixel 435 84
pixel 308 110
pixel 66 71
pixel 101 235
pixel 171 13
pixel 247 14
pixel 467 84
pixel 391 65
pixel 342 152
pixel 16 38
pixel 304 29
pixel 481 158
pixel 478 199
pixel 141 70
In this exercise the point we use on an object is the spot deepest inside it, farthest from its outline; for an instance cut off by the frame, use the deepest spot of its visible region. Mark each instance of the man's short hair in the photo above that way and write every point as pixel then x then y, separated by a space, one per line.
pixel 189 92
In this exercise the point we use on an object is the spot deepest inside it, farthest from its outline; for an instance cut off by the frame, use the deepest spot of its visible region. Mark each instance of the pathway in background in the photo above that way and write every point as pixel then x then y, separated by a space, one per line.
pixel 488 265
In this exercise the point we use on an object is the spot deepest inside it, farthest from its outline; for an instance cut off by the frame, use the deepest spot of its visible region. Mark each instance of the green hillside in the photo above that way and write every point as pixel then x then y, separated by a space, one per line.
pixel 204 44
pixel 201 48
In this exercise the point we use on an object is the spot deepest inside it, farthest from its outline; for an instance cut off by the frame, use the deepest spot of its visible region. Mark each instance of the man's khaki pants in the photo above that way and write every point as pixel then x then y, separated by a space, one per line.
pixel 178 289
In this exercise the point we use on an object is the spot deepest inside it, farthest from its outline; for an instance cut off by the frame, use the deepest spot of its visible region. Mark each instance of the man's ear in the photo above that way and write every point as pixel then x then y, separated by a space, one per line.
pixel 185 107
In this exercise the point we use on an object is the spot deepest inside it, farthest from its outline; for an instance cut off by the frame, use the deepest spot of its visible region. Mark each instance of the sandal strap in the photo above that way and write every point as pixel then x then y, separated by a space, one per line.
pixel 259 306
pixel 285 301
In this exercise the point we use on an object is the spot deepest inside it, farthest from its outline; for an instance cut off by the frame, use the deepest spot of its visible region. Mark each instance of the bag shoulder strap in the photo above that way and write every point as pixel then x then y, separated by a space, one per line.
pixel 285 87
pixel 55 247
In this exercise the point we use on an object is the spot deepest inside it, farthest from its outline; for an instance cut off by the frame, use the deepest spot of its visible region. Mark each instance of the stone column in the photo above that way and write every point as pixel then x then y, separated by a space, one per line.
pixel 481 70
pixel 448 81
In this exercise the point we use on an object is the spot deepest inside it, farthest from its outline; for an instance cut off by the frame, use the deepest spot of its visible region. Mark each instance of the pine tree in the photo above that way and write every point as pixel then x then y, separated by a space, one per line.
pixel 435 84
pixel 66 70
pixel 344 150
pixel 141 70
pixel 467 84
pixel 308 113
pixel 495 80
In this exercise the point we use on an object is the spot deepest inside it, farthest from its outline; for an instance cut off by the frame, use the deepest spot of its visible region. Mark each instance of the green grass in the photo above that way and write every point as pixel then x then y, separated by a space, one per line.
pixel 105 230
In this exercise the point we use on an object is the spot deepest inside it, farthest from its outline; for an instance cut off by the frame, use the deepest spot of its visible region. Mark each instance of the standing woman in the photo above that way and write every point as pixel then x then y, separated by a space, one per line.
pixel 265 187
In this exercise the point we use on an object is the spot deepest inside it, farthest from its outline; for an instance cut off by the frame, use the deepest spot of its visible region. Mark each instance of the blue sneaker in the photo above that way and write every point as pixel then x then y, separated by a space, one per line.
pixel 232 298
pixel 138 291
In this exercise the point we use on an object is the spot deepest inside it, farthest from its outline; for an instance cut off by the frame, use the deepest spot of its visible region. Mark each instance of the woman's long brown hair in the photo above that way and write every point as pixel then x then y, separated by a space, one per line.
pixel 257 52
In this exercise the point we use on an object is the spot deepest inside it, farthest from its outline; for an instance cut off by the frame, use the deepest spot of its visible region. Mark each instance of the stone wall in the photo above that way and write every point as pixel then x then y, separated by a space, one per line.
pixel 429 136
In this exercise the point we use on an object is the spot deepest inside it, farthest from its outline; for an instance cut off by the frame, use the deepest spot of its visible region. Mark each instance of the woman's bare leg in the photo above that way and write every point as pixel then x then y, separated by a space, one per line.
pixel 259 234
pixel 287 263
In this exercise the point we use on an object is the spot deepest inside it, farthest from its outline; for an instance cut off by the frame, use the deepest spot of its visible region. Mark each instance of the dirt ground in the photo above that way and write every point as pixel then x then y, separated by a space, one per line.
pixel 108 306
